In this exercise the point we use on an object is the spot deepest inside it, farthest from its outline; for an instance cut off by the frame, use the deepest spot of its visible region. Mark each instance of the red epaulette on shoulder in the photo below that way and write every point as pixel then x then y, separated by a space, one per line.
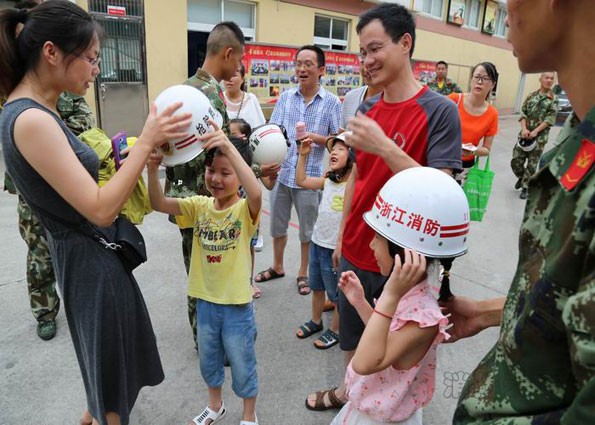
pixel 582 163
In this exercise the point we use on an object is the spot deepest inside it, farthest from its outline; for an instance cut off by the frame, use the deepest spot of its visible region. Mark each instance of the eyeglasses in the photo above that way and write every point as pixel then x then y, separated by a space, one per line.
pixel 375 48
pixel 306 65
pixel 482 78
pixel 93 61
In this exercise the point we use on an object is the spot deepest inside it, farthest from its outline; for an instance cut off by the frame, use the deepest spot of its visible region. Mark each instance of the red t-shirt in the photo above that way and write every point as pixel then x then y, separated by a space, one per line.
pixel 427 128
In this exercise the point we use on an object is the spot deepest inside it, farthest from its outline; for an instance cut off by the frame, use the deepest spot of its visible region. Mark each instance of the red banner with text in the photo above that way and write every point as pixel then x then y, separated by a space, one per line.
pixel 270 70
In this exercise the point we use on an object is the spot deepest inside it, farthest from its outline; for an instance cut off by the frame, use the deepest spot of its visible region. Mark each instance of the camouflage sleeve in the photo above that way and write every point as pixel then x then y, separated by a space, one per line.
pixel 456 89
pixel 75 113
pixel 579 318
pixel 524 109
pixel 550 115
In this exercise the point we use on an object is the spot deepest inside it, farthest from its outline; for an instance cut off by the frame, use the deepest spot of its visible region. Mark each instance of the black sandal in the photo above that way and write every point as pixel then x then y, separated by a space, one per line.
pixel 309 329
pixel 328 339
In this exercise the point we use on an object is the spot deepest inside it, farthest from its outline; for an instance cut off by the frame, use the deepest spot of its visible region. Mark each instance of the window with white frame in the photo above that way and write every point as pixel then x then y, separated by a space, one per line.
pixel 331 33
pixel 431 7
pixel 473 13
pixel 501 22
pixel 203 15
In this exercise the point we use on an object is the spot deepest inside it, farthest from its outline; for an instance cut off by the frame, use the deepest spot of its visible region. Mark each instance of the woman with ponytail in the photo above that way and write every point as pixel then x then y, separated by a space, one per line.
pixel 50 49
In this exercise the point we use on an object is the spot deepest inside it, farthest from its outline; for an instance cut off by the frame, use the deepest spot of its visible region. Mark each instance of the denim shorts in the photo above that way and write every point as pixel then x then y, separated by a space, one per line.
pixel 231 330
pixel 323 275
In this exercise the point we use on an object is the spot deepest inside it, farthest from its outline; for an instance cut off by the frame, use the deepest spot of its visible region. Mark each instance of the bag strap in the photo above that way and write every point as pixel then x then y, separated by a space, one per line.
pixel 460 97
pixel 487 164
pixel 84 227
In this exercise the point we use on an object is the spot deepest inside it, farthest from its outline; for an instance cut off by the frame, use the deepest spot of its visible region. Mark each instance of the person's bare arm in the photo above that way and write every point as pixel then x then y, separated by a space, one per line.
pixel 347 200
pixel 301 179
pixel 468 317
pixel 380 347
pixel 159 202
pixel 44 145
pixel 269 182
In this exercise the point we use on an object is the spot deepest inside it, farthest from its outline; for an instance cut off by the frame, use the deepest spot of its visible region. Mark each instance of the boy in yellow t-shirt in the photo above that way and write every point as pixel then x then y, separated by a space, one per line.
pixel 220 267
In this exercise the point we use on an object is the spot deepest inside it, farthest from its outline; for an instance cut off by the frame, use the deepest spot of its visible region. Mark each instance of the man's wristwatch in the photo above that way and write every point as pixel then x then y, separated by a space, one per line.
pixel 257 170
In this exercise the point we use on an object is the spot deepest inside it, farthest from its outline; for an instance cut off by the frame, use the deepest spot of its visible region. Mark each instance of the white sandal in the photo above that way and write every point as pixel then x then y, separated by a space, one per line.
pixel 250 423
pixel 209 413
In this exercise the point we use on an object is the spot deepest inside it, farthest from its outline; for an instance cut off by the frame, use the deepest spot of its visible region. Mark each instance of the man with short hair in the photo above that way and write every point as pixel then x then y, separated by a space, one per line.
pixel 542 367
pixel 441 84
pixel 320 110
pixel 225 48
pixel 538 115
pixel 406 126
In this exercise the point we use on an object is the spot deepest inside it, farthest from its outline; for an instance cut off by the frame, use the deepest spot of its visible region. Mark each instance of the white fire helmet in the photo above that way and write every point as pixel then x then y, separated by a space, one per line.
pixel 180 151
pixel 269 144
pixel 424 209
pixel 527 145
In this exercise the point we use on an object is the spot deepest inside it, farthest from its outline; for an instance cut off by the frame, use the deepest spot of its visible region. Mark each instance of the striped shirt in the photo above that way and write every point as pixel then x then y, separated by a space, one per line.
pixel 322 115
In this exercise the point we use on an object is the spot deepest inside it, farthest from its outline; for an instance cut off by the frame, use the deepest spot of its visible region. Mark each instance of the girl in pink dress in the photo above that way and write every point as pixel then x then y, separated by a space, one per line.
pixel 392 374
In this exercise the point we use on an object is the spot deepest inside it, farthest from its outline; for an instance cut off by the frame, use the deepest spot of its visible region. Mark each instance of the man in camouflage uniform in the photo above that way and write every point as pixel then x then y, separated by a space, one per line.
pixel 441 84
pixel 542 369
pixel 537 116
pixel 41 281
pixel 225 48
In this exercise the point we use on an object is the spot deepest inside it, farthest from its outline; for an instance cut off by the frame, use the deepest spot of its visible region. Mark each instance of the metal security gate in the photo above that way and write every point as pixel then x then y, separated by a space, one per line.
pixel 122 98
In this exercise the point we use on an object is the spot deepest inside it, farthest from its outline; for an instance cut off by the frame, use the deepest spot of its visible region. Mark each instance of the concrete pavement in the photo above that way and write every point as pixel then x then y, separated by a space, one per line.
pixel 40 381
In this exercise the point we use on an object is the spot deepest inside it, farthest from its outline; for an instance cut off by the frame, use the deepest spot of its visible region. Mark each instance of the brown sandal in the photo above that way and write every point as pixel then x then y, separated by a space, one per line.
pixel 319 405
pixel 302 285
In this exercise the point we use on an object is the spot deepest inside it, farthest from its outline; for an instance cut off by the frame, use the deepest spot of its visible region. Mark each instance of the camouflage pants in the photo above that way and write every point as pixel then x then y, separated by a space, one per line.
pixel 41 281
pixel 524 164
pixel 187 252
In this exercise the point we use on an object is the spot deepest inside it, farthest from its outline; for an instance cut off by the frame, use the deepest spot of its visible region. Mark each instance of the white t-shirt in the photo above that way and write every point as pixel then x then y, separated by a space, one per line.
pixel 351 102
pixel 330 211
pixel 250 110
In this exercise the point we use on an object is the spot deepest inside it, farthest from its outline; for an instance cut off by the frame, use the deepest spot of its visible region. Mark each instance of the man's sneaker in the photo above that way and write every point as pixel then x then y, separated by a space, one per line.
pixel 523 194
pixel 46 329
pixel 259 244
pixel 518 184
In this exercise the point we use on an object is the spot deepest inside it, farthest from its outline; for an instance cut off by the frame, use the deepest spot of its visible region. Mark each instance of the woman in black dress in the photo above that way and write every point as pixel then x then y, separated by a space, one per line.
pixel 50 49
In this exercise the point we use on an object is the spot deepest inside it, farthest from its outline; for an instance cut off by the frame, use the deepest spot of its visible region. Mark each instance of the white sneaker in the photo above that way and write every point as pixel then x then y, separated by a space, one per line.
pixel 259 244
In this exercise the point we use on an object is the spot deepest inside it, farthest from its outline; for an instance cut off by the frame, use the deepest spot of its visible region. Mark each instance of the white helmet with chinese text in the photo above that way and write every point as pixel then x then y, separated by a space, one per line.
pixel 424 209
pixel 179 151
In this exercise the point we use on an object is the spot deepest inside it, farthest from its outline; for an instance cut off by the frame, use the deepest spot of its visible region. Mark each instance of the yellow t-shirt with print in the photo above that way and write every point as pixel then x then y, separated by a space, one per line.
pixel 220 265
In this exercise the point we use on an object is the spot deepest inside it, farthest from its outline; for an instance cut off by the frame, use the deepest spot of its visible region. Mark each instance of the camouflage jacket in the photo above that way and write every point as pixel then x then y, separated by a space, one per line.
pixel 448 87
pixel 189 179
pixel 75 113
pixel 538 108
pixel 542 369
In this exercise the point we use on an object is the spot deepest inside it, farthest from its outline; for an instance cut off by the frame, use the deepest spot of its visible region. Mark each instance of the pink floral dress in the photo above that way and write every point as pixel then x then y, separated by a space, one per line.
pixel 393 395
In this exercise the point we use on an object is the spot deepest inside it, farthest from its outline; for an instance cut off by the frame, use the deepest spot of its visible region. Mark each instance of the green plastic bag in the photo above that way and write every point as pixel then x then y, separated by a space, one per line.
pixel 478 187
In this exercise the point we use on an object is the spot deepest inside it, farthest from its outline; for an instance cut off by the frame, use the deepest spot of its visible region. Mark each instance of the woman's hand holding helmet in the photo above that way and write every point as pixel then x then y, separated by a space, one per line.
pixel 159 128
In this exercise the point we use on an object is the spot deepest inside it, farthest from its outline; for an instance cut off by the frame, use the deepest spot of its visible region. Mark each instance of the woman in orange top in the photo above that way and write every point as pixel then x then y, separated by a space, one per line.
pixel 479 119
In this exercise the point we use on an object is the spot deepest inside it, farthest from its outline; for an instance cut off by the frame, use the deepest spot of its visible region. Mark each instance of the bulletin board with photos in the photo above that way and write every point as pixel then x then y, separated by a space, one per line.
pixel 270 70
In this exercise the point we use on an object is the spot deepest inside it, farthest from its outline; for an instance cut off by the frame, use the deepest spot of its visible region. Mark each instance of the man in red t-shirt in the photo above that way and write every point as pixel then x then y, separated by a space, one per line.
pixel 406 126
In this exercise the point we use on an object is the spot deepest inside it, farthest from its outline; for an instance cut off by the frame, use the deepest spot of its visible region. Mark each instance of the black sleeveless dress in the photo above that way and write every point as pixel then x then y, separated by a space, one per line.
pixel 107 317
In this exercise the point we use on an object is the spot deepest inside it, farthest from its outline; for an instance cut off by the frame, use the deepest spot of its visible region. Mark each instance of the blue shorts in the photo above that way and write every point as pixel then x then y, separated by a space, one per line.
pixel 323 275
pixel 231 330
